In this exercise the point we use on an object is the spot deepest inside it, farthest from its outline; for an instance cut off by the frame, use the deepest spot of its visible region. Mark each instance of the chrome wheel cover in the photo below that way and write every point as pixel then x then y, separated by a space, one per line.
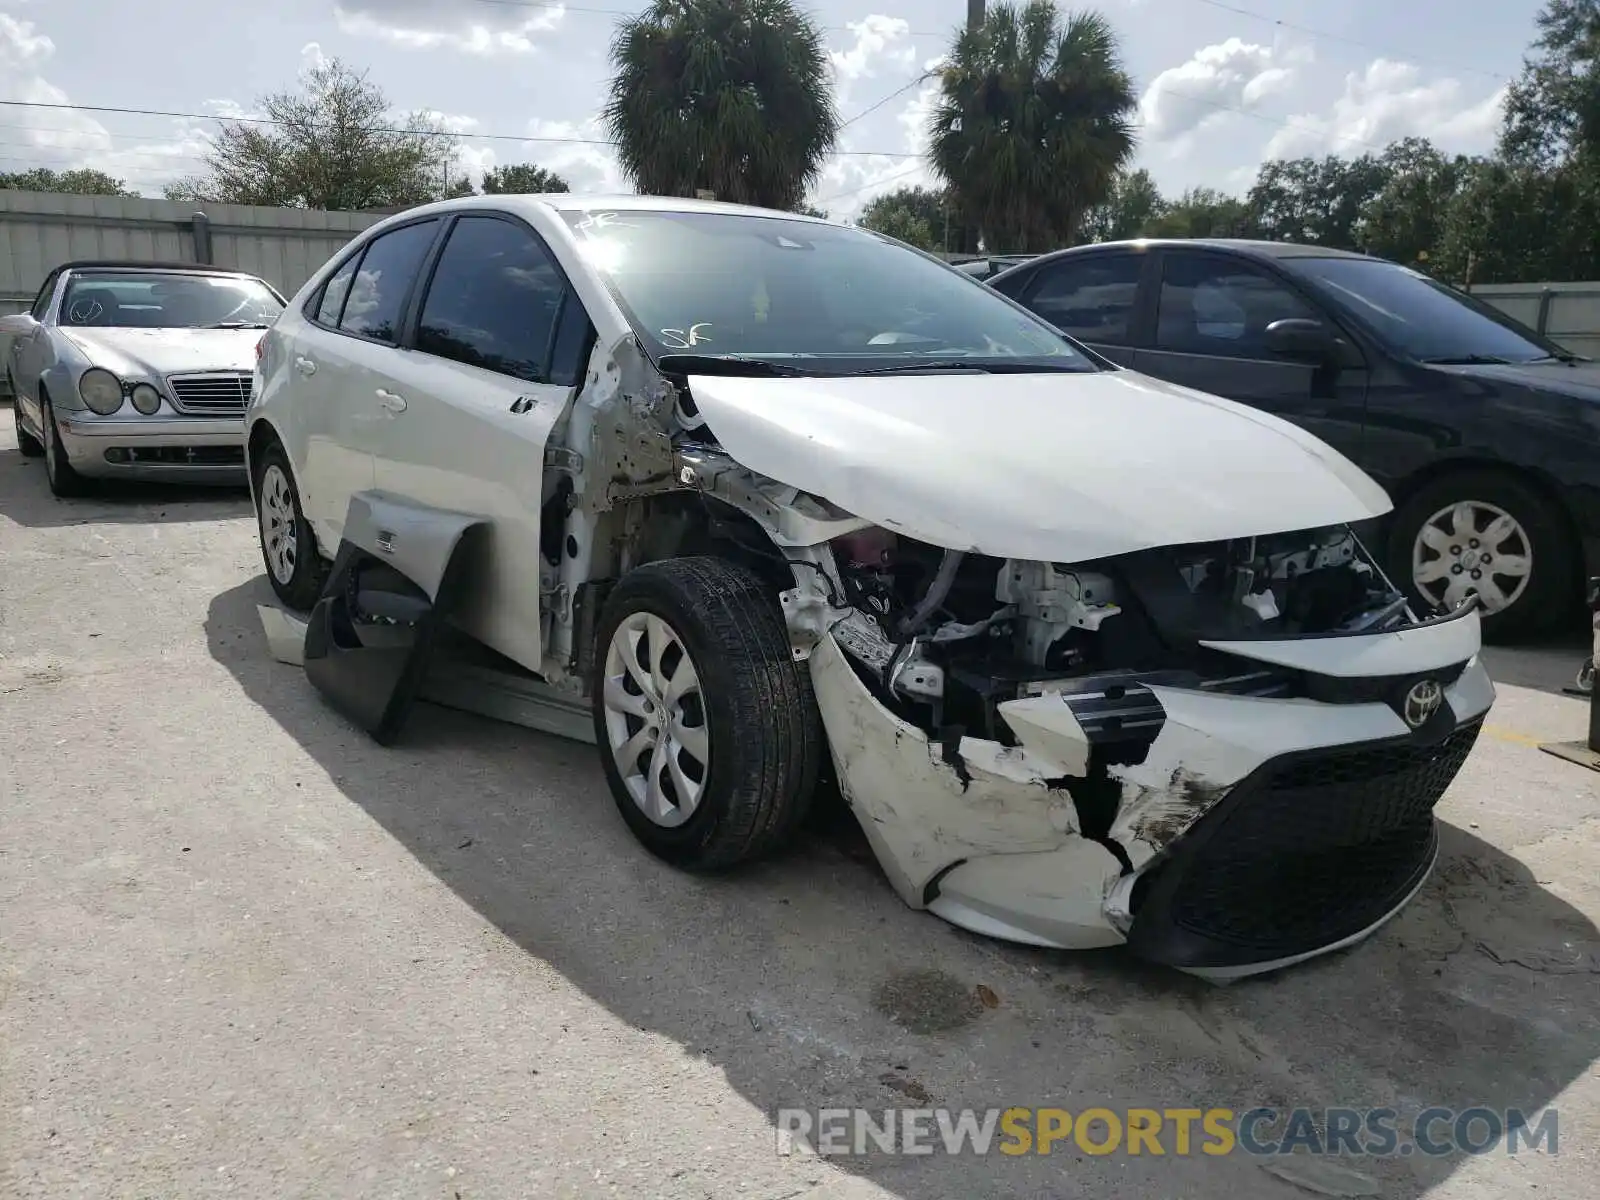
pixel 655 719
pixel 279 531
pixel 1472 548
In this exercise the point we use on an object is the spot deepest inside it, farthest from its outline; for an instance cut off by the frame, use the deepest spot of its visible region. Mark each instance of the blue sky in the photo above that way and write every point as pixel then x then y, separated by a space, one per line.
pixel 1225 83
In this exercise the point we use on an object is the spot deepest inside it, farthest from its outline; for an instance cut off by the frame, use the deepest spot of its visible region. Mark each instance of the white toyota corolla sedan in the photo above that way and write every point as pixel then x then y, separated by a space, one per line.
pixel 772 505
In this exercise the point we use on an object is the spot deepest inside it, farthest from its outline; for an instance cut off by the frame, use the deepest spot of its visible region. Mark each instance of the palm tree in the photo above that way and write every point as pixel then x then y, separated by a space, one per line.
pixel 732 97
pixel 1033 123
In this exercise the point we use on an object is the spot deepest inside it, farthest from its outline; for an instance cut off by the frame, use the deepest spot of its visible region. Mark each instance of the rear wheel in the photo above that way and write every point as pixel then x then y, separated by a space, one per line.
pixel 1485 533
pixel 707 727
pixel 288 547
pixel 64 481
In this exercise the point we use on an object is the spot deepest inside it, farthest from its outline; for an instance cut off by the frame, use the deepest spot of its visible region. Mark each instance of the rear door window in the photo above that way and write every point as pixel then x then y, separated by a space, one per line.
pixel 1221 306
pixel 1091 298
pixel 377 300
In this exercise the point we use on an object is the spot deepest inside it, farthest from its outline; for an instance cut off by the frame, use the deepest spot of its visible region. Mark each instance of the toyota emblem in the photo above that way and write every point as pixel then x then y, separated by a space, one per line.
pixel 1422 701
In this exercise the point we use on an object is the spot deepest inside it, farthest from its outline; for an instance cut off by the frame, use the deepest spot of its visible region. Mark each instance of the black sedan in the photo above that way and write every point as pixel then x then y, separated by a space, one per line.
pixel 1486 435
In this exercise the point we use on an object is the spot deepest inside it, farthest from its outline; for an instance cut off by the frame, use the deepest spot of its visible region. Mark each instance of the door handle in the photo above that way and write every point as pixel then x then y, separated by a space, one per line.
pixel 305 366
pixel 394 403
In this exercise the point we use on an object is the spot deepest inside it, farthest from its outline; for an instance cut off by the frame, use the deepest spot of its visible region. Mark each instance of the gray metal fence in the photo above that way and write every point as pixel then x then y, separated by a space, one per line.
pixel 1567 313
pixel 39 231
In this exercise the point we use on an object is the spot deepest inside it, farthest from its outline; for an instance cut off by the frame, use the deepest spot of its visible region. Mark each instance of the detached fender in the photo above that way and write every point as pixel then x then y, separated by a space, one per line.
pixel 398 574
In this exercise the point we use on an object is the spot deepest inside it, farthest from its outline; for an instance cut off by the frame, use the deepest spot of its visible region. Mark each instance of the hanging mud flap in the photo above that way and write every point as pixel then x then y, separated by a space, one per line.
pixel 398 574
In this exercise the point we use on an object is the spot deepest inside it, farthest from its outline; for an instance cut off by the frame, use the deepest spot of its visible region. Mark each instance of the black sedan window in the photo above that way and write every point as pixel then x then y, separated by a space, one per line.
pixel 1420 317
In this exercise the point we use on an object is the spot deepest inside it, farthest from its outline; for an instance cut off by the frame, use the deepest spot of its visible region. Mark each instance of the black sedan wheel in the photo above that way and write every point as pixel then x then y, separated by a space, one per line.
pixel 1485 534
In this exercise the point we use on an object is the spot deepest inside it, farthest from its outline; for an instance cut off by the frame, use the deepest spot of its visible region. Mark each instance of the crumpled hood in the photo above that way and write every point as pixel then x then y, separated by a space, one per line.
pixel 158 352
pixel 1055 467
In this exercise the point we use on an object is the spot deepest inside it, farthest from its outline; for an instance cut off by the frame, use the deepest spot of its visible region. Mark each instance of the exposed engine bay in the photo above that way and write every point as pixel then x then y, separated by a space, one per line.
pixel 945 637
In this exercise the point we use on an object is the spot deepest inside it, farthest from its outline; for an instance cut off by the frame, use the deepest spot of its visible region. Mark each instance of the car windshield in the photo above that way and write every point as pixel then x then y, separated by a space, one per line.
pixel 1421 317
pixel 152 300
pixel 804 297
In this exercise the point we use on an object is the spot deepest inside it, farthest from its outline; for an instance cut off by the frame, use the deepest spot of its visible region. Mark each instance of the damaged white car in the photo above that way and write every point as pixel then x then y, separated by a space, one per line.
pixel 761 505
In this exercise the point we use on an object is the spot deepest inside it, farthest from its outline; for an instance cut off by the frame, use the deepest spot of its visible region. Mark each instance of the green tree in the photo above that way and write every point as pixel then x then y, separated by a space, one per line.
pixel 1553 108
pixel 522 179
pixel 1203 213
pixel 732 97
pixel 1511 223
pixel 1131 210
pixel 915 215
pixel 1033 123
pixel 811 210
pixel 333 145
pixel 81 182
pixel 1404 219
pixel 1315 201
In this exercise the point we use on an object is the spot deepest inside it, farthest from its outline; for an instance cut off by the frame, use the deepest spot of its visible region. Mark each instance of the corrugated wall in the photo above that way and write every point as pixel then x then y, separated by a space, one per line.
pixel 40 230
pixel 1566 313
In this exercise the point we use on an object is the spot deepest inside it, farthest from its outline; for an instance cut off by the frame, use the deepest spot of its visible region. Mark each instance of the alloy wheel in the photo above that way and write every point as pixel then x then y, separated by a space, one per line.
pixel 655 719
pixel 279 530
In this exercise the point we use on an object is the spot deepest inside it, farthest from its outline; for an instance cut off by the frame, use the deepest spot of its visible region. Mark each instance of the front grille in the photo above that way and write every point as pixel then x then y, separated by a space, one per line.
pixel 1309 850
pixel 212 394
pixel 178 456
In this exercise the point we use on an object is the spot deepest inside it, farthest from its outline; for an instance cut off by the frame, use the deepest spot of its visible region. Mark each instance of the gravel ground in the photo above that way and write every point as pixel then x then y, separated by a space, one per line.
pixel 245 951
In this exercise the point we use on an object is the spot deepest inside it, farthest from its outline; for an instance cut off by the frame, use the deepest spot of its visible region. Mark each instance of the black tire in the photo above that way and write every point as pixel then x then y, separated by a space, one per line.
pixel 64 482
pixel 764 732
pixel 301 585
pixel 30 446
pixel 1551 588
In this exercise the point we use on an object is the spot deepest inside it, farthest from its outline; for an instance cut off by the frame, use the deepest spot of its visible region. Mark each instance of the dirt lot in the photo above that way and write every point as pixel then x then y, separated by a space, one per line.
pixel 244 951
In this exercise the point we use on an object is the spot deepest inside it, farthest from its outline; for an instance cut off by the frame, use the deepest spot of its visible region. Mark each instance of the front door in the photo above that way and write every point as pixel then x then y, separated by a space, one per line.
pixel 1211 315
pixel 497 353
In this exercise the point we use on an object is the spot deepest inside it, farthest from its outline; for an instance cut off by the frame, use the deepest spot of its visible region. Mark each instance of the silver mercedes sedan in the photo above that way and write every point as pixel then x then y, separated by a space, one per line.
pixel 141 370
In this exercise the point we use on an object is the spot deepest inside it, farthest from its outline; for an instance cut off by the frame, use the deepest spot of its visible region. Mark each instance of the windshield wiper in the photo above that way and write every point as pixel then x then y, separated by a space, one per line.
pixel 1461 360
pixel 238 325
pixel 725 364
pixel 987 366
pixel 1564 356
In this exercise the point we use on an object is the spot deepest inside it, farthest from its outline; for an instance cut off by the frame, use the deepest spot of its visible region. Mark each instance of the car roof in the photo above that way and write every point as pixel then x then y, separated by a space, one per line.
pixel 1248 247
pixel 569 202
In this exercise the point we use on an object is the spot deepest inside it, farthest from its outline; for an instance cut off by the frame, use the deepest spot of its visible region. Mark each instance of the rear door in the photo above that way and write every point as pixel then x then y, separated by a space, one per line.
pixel 339 361
pixel 497 345
pixel 1211 314
pixel 1092 297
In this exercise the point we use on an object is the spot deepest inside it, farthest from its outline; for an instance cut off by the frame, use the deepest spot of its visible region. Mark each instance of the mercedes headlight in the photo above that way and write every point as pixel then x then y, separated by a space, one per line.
pixel 101 391
pixel 146 399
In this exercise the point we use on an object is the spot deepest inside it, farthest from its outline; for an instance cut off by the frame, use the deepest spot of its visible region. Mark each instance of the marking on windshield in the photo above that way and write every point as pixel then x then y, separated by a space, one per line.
pixel 682 339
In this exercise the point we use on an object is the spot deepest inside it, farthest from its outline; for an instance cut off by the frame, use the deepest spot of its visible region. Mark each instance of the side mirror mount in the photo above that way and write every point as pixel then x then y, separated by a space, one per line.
pixel 1303 338
pixel 18 323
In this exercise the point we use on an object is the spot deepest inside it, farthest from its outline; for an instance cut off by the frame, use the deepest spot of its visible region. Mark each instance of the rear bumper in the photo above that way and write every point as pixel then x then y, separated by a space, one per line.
pixel 191 449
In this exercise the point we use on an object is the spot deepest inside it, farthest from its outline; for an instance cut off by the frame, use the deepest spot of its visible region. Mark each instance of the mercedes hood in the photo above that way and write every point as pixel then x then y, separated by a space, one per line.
pixel 1057 467
pixel 158 352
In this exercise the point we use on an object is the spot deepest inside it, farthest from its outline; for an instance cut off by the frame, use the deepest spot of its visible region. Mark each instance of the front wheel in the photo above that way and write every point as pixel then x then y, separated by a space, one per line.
pixel 288 547
pixel 708 730
pixel 1488 534
pixel 64 482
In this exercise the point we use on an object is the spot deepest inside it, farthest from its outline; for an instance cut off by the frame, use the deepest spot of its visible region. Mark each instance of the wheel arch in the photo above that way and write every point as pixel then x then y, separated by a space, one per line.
pixel 262 434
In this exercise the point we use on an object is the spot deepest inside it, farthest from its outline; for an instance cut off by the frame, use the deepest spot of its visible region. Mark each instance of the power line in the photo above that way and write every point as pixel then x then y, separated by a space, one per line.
pixel 1324 35
pixel 899 91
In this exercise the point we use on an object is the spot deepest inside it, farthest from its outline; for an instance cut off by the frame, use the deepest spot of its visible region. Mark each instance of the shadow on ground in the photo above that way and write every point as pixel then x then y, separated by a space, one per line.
pixel 27 500
pixel 807 982
pixel 1550 665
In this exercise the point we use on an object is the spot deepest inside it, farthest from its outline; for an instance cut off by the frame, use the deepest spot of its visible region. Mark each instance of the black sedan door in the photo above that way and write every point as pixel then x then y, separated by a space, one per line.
pixel 1091 297
pixel 1211 315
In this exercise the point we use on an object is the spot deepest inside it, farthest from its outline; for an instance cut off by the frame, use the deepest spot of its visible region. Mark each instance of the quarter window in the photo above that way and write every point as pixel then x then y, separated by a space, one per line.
pixel 1221 306
pixel 42 301
pixel 494 300
pixel 333 293
pixel 377 299
pixel 1092 299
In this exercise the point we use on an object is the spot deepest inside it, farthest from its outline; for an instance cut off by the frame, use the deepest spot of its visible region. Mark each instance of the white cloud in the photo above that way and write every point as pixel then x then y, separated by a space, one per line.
pixel 586 165
pixel 1388 101
pixel 849 182
pixel 1234 74
pixel 465 25
pixel 63 139
pixel 881 43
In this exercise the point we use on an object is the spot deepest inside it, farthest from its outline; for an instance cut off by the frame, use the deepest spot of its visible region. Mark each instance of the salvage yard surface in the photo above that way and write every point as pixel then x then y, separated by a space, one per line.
pixel 245 951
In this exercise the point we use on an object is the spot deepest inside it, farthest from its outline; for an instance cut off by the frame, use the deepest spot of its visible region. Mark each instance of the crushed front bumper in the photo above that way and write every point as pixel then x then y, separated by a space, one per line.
pixel 1256 833
pixel 159 447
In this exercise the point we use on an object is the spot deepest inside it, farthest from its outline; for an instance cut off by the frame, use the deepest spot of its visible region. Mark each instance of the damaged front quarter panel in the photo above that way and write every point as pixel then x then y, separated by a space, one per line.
pixel 926 812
